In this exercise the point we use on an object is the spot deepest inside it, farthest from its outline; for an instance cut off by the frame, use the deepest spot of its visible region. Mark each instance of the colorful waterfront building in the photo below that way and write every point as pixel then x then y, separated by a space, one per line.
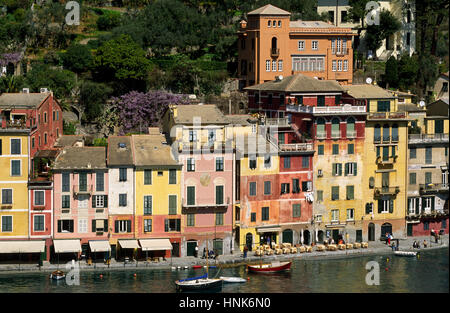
pixel 198 135
pixel 157 180
pixel 81 185
pixel 384 179
pixel 272 45
pixel 428 207
pixel 121 206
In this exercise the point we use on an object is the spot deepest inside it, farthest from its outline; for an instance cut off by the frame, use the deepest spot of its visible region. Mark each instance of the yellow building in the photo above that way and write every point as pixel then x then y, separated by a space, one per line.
pixel 14 164
pixel 157 191
pixel 385 162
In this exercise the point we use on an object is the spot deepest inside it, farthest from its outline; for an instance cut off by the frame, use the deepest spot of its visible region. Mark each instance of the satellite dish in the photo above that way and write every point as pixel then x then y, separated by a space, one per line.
pixel 368 80
pixel 422 103
pixel 280 77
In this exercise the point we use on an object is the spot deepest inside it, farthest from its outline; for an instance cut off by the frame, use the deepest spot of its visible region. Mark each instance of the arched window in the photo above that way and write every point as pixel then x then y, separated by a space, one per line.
pixel 274 42
pixel 274 23
pixel 288 236
pixel 386 131
pixel 335 131
pixel 279 23
pixel 321 128
pixel 351 133
pixel 269 23
pixel 395 132
pixel 377 133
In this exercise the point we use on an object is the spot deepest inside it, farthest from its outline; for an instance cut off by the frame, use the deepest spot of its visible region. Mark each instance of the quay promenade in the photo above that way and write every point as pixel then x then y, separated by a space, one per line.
pixel 237 259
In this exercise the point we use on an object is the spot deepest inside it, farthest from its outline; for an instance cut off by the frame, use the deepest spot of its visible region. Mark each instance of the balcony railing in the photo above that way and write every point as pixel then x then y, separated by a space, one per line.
pixel 386 115
pixel 341 52
pixel 82 189
pixel 430 188
pixel 389 160
pixel 428 138
pixel 321 135
pixel 338 109
pixel 282 121
pixel 15 124
pixel 351 133
pixel 296 147
pixel 381 191
pixel 274 52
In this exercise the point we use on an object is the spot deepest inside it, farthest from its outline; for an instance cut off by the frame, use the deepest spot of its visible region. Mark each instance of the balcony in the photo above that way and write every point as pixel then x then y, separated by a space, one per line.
pixel 428 138
pixel 297 147
pixel 324 110
pixel 321 135
pixel 342 52
pixel 389 160
pixel 6 206
pixel 274 52
pixel 433 188
pixel 351 133
pixel 386 191
pixel 336 135
pixel 386 116
pixel 208 206
pixel 82 190
pixel 282 121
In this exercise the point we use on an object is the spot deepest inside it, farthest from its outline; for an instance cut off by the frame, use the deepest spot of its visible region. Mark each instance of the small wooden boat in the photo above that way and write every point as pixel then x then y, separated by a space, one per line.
pixel 270 268
pixel 199 283
pixel 232 279
pixel 57 275
pixel 405 253
pixel 197 266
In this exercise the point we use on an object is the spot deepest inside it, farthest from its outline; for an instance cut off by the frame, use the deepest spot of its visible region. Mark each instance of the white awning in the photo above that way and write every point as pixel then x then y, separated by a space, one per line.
pixel 99 245
pixel 66 246
pixel 155 244
pixel 129 244
pixel 35 246
pixel 269 230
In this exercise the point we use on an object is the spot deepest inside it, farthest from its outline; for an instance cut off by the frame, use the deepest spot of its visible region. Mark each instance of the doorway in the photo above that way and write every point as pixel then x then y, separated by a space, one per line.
pixel 306 237
pixel 359 235
pixel 249 241
pixel 176 249
pixel 371 232
pixel 190 247
pixel 335 235
pixel 288 236
pixel 409 229
pixel 320 236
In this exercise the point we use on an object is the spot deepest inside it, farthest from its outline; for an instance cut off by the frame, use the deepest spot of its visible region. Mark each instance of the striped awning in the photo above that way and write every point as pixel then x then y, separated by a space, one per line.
pixel 129 244
pixel 35 246
pixel 67 246
pixel 155 244
pixel 99 245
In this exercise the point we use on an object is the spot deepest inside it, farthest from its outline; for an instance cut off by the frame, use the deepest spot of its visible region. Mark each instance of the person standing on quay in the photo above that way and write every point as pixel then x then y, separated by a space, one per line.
pixel 196 251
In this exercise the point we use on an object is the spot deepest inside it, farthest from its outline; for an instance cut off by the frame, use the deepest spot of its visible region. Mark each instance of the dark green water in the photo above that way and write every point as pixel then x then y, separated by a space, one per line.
pixel 428 273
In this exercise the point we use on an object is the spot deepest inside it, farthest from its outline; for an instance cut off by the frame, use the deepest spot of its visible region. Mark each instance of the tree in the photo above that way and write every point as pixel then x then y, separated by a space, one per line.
pixel 78 58
pixel 137 111
pixel 92 99
pixel 408 68
pixel 375 34
pixel 357 11
pixel 391 73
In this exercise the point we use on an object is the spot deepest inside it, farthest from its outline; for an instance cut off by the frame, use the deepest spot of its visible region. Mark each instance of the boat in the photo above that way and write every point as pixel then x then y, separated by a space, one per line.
pixel 232 279
pixel 197 266
pixel 405 253
pixel 270 267
pixel 57 275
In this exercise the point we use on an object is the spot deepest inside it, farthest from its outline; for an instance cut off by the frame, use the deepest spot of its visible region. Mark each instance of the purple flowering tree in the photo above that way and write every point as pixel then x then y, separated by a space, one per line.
pixel 7 58
pixel 137 111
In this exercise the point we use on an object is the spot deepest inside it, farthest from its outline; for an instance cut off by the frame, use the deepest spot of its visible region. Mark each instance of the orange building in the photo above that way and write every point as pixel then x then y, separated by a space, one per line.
pixel 270 44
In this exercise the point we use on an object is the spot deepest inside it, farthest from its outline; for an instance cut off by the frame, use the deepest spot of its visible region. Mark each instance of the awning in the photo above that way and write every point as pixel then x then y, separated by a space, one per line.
pixel 129 244
pixel 66 246
pixel 99 245
pixel 268 230
pixel 35 246
pixel 155 244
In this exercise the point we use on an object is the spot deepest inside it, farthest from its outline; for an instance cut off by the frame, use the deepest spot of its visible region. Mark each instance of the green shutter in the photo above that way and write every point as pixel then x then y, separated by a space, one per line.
pixel 346 169
pixel 391 206
pixel 355 168
pixel 129 226
pixel 93 226
pixel 340 169
pixel 93 201
pixel 166 225
pixel 417 205
pixel 350 192
pixel 116 226
pixel 333 171
pixel 380 205
pixel 219 195
pixel 432 204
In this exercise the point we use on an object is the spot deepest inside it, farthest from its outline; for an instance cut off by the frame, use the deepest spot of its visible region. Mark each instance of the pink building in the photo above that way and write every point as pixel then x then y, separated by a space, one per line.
pixel 81 200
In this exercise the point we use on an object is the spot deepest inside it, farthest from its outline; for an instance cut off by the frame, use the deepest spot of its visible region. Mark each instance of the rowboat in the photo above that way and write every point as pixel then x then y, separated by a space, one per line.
pixel 232 279
pixel 199 283
pixel 270 267
pixel 405 253
pixel 57 275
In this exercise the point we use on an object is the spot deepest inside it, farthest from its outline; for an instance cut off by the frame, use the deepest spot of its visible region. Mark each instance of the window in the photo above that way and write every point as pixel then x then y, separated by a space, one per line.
pixel 219 164
pixel 299 99
pixel 211 136
pixel 172 224
pixel 412 178
pixel 279 23
pixel 253 217
pixel 340 66
pixel 267 161
pixel 6 196
pixel 190 219
pixel 219 195
pixel 65 182
pixel 343 16
pixel 296 210
pixel 321 101
pixel 351 169
pixel 45 117
pixel 426 225
pixel 333 66
pixel 377 133
pixel 338 45
pixel 280 65
pixel 413 203
pixel 219 218
pixel 439 126
pixel 306 185
pixel 285 188
pixel 147 177
pixel 65 226
pixel 147 225
pixel 395 132
pixel 383 106
pixel 412 152
pixel 301 45
pixel 350 192
pixel 265 214
pixel 83 201
pixel 122 174
pixel 274 66
pixel 32 144
pixel 350 214
pixel 385 205
pixel 305 162
pixel 287 162
pixel 191 165
pixel 267 65
pixel 408 38
pixel 267 187
pixel 15 146
pixel 252 188
pixel 345 65
pixel 45 138
pixel 192 136
pixel 274 23
pixel 172 204
pixel 100 181
pixel 39 197
pixel 190 195
pixel 333 46
pixel 335 128
pixel 334 215
pixel 15 167
pixel 172 176
pixel 122 199
pixel 65 201
pixel 428 203
pixel 336 169
pixel 7 224
pixel 428 155
pixel 314 45
pixel 335 193
pixel 350 148
pixel 82 225
pixel 428 176
pixel 295 185
pixel 331 16
pixel 335 149
pixel 57 115
pixel 148 202
pixel 320 149
pixel 122 226
pixel 385 153
pixel 319 195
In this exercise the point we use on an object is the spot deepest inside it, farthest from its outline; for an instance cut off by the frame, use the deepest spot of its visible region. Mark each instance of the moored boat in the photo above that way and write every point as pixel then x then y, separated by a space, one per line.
pixel 57 275
pixel 232 279
pixel 270 267
pixel 405 253
pixel 199 283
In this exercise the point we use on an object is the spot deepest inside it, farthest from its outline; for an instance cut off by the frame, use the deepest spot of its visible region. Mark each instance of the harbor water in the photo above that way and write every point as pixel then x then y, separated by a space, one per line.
pixel 426 273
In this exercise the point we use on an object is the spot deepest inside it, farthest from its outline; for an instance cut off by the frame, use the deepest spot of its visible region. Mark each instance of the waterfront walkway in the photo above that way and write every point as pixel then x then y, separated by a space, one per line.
pixel 376 247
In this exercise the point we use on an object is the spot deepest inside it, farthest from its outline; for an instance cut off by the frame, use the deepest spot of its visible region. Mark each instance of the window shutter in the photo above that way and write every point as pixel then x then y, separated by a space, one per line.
pixel 432 204
pixel 340 169
pixel 380 205
pixel 59 226
pixel 93 226
pixel 93 201
pixel 105 227
pixel 178 224
pixel 166 225
pixel 129 226
pixel 355 168
pixel 71 226
pixel 333 171
pixel 391 206
pixel 116 226
pixel 346 169
pixel 367 208
pixel 417 205
pixel 106 201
